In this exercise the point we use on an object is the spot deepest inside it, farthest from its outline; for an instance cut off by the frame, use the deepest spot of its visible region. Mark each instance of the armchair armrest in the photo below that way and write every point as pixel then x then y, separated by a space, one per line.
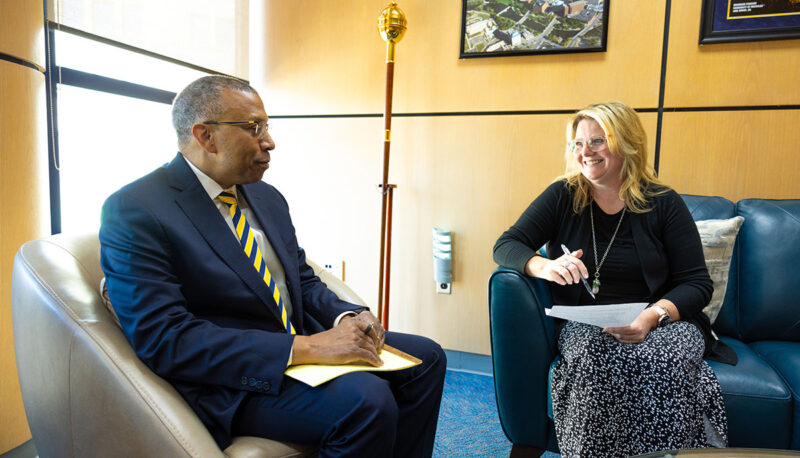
pixel 337 286
pixel 523 346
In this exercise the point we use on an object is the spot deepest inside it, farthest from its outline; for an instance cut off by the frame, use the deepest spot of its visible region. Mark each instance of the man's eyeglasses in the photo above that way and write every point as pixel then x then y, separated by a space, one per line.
pixel 258 129
pixel 595 143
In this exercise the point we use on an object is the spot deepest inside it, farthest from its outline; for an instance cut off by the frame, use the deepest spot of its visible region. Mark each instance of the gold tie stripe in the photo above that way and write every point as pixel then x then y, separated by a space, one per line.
pixel 251 249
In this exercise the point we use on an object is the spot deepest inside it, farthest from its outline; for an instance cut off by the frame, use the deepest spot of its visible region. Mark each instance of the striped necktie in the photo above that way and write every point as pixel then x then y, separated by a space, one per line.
pixel 248 241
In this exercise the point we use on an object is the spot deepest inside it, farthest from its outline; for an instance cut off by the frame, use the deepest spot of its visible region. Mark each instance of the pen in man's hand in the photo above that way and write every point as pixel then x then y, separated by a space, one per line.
pixel 585 283
pixel 368 329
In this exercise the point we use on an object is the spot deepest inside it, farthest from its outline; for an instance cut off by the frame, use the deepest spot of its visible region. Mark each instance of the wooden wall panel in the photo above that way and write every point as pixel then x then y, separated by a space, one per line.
pixel 727 74
pixel 733 154
pixel 326 57
pixel 473 175
pixel 22 30
pixel 23 175
pixel 328 170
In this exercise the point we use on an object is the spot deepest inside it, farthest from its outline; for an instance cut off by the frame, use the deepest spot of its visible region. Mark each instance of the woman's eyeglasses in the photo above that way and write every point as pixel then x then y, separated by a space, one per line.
pixel 595 143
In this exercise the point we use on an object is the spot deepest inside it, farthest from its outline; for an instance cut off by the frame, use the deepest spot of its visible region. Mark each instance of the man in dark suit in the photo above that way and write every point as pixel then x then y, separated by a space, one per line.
pixel 181 250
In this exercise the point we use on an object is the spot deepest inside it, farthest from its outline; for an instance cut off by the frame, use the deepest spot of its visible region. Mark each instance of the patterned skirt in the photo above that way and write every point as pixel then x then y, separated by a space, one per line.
pixel 612 399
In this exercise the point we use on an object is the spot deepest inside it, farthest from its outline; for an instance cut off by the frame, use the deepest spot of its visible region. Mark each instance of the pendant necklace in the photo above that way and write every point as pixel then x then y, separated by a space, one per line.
pixel 596 282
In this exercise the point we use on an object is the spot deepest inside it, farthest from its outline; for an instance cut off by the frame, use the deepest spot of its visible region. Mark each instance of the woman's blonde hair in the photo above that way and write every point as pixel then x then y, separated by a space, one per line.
pixel 626 140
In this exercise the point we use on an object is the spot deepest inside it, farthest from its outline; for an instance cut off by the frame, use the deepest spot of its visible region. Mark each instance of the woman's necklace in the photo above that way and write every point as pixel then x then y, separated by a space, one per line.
pixel 596 282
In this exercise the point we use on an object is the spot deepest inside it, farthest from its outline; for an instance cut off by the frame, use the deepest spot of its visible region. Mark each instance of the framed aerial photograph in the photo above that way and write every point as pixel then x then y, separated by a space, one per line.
pixel 491 28
pixel 749 20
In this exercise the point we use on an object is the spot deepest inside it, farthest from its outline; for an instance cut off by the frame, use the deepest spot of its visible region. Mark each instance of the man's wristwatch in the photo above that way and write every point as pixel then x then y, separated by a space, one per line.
pixel 663 316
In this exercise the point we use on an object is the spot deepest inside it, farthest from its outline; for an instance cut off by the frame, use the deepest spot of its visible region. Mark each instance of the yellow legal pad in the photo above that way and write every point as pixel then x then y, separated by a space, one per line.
pixel 317 374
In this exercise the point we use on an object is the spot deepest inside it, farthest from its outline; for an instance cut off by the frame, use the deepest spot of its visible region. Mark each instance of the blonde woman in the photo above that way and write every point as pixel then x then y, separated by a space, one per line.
pixel 642 387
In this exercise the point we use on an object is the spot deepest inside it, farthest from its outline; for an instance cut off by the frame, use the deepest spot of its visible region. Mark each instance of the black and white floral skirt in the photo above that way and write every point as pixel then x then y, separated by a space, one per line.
pixel 612 399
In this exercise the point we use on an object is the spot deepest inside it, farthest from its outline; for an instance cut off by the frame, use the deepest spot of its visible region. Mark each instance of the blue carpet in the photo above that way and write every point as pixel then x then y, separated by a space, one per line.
pixel 468 421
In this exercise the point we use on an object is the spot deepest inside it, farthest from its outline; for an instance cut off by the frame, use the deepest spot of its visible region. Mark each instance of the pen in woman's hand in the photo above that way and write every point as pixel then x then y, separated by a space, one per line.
pixel 583 280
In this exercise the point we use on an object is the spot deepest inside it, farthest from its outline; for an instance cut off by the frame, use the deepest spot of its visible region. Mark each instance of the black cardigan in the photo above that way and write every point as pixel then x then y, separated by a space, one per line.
pixel 667 243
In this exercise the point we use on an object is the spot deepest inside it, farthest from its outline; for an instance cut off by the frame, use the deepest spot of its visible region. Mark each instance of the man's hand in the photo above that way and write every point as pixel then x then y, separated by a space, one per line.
pixel 370 325
pixel 344 344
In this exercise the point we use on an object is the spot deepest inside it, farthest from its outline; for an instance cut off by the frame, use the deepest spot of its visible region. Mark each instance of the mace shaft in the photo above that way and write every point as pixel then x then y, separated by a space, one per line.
pixel 386 202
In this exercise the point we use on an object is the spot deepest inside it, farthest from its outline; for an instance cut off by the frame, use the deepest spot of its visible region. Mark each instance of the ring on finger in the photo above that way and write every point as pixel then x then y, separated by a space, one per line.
pixel 566 265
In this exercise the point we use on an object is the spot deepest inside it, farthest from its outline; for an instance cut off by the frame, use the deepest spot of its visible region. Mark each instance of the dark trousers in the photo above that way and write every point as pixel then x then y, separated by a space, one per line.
pixel 358 414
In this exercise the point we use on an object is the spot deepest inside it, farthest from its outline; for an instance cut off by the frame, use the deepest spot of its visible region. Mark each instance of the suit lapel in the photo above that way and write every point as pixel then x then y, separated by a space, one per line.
pixel 205 216
pixel 264 210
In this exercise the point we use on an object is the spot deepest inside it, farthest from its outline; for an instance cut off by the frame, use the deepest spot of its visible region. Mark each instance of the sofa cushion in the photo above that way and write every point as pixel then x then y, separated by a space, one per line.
pixel 709 207
pixel 712 207
pixel 785 358
pixel 757 401
pixel 718 237
pixel 550 386
pixel 768 249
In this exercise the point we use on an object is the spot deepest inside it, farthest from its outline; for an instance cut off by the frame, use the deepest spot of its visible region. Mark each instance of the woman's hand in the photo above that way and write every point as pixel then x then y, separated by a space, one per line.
pixel 564 270
pixel 635 332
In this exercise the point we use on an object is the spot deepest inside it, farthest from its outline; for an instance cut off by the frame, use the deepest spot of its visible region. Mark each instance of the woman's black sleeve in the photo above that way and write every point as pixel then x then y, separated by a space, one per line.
pixel 690 285
pixel 532 230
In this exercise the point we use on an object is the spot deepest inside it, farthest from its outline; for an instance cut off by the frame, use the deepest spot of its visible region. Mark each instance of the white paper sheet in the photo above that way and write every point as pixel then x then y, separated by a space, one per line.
pixel 599 315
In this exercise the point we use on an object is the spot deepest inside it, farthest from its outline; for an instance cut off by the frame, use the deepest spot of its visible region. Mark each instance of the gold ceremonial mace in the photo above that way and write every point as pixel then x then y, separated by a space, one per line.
pixel 392 27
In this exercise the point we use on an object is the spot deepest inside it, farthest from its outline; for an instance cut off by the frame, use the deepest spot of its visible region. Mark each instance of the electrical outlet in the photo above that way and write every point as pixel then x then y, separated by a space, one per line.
pixel 443 288
pixel 336 268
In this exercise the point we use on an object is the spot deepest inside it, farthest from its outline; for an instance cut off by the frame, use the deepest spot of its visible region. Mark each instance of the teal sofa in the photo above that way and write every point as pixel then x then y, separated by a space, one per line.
pixel 759 319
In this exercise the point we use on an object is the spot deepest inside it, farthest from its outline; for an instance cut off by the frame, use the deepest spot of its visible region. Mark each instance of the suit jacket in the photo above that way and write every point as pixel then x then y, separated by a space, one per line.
pixel 189 300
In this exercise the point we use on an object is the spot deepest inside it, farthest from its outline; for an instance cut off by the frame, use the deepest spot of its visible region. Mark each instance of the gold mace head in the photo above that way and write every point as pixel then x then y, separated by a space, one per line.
pixel 392 23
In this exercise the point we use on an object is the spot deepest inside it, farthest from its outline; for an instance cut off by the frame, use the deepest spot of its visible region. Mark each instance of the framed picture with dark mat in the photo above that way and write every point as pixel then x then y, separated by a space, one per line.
pixel 491 28
pixel 724 21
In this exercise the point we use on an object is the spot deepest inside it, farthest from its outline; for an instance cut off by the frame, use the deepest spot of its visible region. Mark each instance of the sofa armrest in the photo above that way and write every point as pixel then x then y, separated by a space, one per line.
pixel 523 346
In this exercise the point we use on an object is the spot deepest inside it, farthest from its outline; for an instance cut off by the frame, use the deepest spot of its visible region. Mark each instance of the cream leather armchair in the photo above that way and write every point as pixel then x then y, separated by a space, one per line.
pixel 85 391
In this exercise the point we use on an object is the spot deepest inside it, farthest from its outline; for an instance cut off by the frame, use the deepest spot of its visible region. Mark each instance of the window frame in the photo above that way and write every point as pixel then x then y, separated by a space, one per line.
pixel 55 75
